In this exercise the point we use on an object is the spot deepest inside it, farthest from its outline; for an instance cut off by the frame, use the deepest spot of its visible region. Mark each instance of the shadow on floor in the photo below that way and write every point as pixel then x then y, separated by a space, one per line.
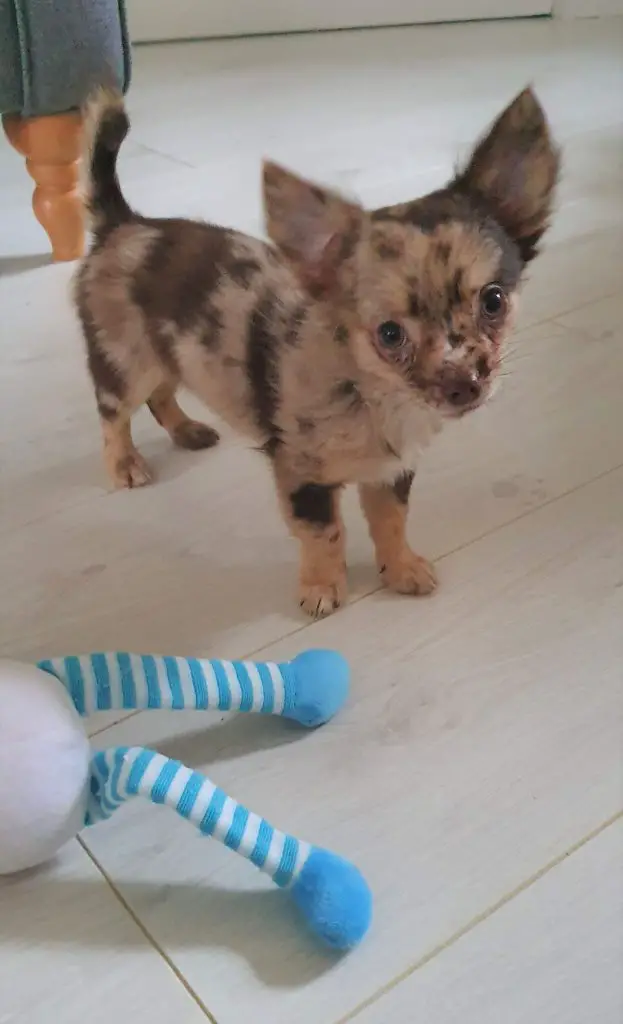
pixel 10 266
pixel 260 926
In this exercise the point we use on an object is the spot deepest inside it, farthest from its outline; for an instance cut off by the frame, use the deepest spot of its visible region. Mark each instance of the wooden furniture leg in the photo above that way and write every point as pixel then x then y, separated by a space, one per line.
pixel 51 146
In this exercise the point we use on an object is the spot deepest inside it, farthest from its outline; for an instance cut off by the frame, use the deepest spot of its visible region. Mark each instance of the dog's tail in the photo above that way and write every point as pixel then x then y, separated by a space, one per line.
pixel 106 126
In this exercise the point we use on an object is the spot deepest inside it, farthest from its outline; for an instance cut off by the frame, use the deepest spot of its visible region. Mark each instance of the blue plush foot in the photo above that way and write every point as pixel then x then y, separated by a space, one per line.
pixel 334 898
pixel 317 684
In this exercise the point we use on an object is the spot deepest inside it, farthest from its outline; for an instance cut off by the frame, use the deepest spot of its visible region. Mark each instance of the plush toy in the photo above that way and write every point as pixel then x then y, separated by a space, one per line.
pixel 52 785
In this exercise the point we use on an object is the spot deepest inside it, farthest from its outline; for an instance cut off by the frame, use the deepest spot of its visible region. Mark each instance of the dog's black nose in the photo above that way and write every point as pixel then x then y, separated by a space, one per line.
pixel 460 389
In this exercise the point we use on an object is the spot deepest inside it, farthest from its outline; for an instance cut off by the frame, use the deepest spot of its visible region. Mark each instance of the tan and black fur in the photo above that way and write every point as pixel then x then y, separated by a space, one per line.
pixel 339 349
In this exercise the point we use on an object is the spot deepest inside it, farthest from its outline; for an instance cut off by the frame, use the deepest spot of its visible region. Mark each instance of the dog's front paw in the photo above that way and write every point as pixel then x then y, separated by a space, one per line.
pixel 409 574
pixel 322 597
pixel 130 470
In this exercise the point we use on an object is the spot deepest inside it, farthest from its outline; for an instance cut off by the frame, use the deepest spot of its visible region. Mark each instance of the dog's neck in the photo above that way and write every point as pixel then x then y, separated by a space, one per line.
pixel 404 424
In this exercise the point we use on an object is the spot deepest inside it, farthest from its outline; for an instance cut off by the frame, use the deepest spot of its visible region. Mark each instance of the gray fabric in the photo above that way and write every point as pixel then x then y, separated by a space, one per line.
pixel 54 52
pixel 10 71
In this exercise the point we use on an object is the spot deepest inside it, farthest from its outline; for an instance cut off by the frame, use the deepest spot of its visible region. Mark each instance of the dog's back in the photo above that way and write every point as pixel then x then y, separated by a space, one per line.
pixel 170 301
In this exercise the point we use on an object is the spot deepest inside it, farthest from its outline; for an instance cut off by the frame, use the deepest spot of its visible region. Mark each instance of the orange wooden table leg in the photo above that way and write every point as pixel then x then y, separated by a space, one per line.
pixel 52 147
pixel 15 130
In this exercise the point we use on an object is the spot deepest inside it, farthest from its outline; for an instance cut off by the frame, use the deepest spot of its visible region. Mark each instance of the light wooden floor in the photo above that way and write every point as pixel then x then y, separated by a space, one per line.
pixel 477 774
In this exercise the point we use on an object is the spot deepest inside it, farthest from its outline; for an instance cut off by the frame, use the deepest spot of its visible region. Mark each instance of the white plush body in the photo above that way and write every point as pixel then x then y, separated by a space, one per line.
pixel 52 784
pixel 44 767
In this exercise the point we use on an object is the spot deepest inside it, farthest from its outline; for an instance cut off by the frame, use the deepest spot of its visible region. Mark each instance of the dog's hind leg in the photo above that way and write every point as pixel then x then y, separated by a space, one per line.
pixel 183 431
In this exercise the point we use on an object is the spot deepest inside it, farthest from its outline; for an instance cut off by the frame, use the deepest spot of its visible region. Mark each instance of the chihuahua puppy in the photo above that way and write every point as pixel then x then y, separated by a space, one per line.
pixel 339 349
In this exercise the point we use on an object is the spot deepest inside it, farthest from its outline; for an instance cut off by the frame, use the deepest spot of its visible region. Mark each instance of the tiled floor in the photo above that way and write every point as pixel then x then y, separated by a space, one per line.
pixel 477 774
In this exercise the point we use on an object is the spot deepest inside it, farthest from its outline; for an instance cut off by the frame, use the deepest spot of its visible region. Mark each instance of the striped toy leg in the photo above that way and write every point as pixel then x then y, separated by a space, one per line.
pixel 330 892
pixel 124 772
pixel 310 689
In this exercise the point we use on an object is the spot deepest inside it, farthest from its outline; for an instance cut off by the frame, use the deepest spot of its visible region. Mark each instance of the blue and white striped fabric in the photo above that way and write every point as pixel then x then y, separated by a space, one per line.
pixel 310 689
pixel 124 772
pixel 121 681
pixel 329 891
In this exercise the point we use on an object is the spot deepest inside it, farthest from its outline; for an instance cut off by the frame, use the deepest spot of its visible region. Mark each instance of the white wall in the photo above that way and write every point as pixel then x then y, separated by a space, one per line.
pixel 187 19
pixel 150 20
pixel 586 8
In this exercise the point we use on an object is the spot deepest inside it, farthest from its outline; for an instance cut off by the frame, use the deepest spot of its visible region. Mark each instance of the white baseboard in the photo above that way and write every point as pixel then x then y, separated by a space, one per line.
pixel 586 8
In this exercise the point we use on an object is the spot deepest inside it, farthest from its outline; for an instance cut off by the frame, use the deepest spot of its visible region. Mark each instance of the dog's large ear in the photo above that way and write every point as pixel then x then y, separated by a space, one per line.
pixel 316 229
pixel 514 170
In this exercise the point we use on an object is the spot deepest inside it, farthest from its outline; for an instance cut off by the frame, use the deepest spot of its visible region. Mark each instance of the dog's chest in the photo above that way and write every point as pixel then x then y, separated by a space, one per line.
pixel 407 428
pixel 373 443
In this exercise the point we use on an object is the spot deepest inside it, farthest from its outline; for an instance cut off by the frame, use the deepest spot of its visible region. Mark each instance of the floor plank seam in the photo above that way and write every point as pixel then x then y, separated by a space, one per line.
pixel 256 653
pixel 563 312
pixel 480 918
pixel 175 160
pixel 147 934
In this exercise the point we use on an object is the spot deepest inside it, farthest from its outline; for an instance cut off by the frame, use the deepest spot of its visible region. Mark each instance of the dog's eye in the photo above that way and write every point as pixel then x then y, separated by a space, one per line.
pixel 493 302
pixel 391 334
